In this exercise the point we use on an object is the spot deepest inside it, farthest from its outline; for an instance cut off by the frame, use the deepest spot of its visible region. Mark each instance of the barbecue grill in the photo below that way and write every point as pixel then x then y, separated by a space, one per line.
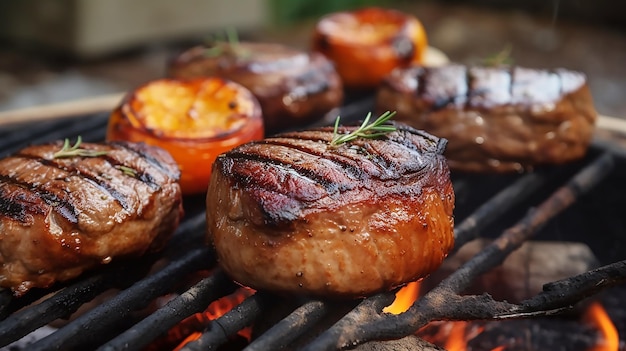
pixel 561 203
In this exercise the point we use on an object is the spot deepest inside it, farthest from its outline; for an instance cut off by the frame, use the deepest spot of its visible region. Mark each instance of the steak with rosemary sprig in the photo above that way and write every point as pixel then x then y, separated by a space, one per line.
pixel 298 213
pixel 66 209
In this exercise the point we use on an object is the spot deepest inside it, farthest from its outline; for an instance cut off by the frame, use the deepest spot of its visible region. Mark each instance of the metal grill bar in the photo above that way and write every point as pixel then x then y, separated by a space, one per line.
pixel 192 301
pixel 95 327
pixel 107 315
pixel 385 326
pixel 301 320
pixel 221 329
pixel 498 205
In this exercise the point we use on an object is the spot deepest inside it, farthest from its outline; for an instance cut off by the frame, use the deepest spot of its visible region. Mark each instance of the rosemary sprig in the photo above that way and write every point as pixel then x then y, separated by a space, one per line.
pixel 370 131
pixel 230 45
pixel 127 171
pixel 75 150
pixel 503 57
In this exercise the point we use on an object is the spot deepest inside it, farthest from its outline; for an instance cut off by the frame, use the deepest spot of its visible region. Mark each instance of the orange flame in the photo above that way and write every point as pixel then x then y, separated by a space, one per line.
pixel 456 332
pixel 405 297
pixel 596 316
pixel 193 336
pixel 456 338
pixel 453 335
pixel 191 328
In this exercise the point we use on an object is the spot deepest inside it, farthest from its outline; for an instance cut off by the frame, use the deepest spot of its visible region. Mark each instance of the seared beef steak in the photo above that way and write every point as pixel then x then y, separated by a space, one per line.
pixel 498 119
pixel 61 215
pixel 295 214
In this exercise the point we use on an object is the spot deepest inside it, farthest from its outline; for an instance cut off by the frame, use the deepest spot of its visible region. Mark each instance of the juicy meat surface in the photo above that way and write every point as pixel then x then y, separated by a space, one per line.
pixel 294 88
pixel 294 214
pixel 60 216
pixel 496 119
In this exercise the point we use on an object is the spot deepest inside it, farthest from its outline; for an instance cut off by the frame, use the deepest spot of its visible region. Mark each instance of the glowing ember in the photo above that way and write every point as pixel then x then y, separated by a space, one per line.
pixel 190 338
pixel 191 328
pixel 596 315
pixel 405 297
pixel 453 335
pixel 456 337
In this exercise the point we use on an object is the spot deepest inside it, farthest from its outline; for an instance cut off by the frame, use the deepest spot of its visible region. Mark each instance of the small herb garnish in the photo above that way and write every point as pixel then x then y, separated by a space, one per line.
pixel 231 46
pixel 370 131
pixel 75 150
pixel 503 57
pixel 128 171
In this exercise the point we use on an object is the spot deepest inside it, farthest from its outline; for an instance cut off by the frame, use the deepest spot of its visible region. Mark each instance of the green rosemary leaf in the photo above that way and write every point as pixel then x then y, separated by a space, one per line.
pixel 128 171
pixel 503 57
pixel 368 130
pixel 230 46
pixel 75 150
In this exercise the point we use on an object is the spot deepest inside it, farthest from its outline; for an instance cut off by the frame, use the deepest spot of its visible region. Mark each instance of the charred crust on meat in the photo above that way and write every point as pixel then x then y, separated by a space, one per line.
pixel 139 149
pixel 291 168
pixel 312 82
pixel 352 168
pixel 16 208
pixel 441 145
pixel 100 182
pixel 140 175
pixel 28 200
pixel 317 173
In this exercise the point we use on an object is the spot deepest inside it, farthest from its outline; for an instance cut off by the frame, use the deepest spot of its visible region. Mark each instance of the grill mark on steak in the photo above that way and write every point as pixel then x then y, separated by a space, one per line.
pixel 512 79
pixel 29 195
pixel 84 173
pixel 504 119
pixel 561 82
pixel 13 207
pixel 349 164
pixel 137 174
pixel 420 77
pixel 364 153
pixel 314 80
pixel 401 139
pixel 312 175
pixel 298 167
pixel 148 157
pixel 485 87
pixel 329 167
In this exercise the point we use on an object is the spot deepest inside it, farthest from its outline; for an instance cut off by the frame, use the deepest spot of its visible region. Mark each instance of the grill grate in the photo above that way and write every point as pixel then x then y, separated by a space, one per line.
pixel 112 326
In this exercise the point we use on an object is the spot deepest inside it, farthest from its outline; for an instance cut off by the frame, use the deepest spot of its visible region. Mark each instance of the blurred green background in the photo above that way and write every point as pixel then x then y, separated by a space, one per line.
pixel 285 12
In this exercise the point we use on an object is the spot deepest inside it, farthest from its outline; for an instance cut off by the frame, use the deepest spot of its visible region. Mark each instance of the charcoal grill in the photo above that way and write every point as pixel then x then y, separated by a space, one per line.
pixel 517 206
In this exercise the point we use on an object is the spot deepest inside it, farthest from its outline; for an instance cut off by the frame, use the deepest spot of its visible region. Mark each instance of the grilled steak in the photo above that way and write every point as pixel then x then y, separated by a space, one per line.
pixel 294 214
pixel 294 88
pixel 63 215
pixel 496 119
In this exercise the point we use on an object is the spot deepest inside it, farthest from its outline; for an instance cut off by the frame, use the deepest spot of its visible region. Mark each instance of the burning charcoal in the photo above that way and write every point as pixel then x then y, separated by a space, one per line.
pixel 409 343
pixel 538 334
pixel 523 274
